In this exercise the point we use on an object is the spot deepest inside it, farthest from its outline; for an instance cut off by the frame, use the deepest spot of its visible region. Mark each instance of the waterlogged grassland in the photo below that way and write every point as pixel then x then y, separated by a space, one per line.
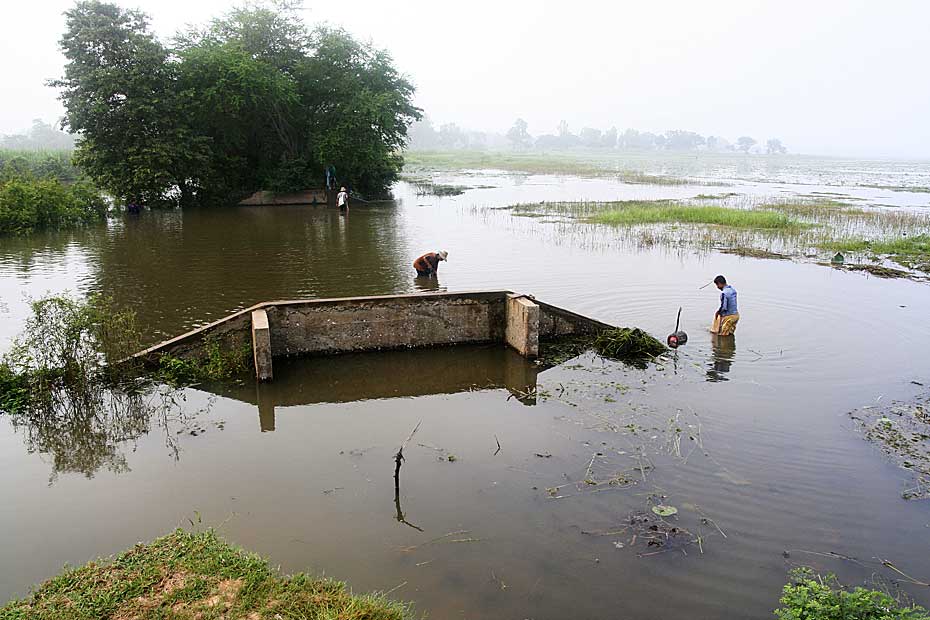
pixel 194 575
pixel 808 228
pixel 582 165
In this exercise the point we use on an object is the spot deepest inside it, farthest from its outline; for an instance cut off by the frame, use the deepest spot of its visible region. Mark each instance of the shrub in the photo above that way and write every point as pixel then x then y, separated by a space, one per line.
pixel 28 204
pixel 812 597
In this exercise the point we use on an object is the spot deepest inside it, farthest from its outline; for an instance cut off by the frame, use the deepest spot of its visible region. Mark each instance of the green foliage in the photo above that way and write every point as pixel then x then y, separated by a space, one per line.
pixel 68 349
pixel 811 597
pixel 216 364
pixel 628 344
pixel 253 101
pixel 42 164
pixel 28 204
pixel 194 575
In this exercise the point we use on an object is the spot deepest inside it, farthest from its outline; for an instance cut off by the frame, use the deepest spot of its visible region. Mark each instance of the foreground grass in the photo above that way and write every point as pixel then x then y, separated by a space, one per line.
pixel 194 575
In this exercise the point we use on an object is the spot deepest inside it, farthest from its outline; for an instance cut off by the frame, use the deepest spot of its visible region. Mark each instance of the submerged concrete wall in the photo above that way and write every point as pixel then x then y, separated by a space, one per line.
pixel 327 326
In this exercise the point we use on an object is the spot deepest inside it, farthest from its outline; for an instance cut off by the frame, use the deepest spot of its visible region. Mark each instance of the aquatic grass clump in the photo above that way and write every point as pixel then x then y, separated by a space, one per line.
pixel 813 597
pixel 194 575
pixel 634 212
pixel 628 344
pixel 910 251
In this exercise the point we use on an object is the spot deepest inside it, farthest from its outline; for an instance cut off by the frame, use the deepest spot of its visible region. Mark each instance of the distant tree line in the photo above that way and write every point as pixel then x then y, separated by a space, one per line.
pixel 40 137
pixel 254 100
pixel 423 136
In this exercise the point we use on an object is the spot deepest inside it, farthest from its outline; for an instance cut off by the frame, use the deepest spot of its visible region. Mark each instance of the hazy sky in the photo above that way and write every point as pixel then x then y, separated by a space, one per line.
pixel 834 77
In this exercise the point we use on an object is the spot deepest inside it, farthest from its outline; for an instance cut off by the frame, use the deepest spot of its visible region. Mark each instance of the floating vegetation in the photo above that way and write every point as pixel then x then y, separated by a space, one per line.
pixel 909 251
pixel 899 188
pixel 879 271
pixel 754 253
pixel 808 596
pixel 631 345
pixel 722 196
pixel 641 178
pixel 902 431
pixel 428 188
pixel 194 575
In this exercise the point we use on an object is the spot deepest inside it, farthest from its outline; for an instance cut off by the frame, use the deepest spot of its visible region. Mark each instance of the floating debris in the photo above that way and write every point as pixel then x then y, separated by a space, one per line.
pixel 902 431
pixel 628 344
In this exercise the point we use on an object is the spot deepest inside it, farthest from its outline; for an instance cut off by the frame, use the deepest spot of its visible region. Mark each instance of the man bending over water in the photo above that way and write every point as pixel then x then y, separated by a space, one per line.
pixel 727 315
pixel 428 264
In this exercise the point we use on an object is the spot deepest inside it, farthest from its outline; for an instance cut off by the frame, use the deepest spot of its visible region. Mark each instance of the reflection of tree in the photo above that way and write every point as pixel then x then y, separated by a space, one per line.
pixel 178 269
pixel 88 437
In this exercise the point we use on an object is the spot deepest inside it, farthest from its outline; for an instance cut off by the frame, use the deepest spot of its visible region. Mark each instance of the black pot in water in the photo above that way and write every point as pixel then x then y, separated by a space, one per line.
pixel 677 339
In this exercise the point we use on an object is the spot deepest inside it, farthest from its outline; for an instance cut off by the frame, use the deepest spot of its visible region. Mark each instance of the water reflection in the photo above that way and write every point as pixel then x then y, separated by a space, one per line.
pixel 89 439
pixel 180 269
pixel 428 284
pixel 723 352
pixel 388 374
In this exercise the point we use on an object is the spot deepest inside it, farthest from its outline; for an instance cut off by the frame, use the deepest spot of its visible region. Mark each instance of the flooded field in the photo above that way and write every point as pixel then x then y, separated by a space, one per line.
pixel 526 492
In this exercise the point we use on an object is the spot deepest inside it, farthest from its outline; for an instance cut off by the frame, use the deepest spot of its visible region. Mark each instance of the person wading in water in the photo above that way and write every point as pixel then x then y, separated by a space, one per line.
pixel 727 315
pixel 428 264
pixel 342 199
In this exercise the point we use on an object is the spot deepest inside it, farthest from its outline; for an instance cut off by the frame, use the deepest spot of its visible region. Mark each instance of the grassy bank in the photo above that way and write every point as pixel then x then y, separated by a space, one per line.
pixel 194 575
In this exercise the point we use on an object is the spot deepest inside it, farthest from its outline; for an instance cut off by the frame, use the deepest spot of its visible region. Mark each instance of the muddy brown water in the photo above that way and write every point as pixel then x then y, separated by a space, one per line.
pixel 750 435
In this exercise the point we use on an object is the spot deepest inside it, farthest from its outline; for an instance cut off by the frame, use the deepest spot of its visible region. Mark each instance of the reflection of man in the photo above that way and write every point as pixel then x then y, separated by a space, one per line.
pixel 727 315
pixel 724 350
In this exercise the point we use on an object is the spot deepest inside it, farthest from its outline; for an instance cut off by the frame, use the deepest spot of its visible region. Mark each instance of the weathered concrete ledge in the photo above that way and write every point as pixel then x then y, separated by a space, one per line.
pixel 306 197
pixel 354 324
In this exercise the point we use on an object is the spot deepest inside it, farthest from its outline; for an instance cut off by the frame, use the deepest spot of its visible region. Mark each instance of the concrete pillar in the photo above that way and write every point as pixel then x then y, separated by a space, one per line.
pixel 522 330
pixel 261 345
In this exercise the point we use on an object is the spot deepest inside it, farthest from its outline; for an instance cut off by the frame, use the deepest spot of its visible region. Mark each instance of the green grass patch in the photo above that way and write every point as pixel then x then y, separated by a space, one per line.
pixel 189 575
pixel 633 212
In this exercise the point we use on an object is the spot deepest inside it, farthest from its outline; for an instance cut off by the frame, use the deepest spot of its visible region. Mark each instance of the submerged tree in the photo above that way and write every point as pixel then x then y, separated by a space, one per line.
pixel 252 101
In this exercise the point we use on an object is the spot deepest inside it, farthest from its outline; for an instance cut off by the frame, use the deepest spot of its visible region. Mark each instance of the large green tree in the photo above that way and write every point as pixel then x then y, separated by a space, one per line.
pixel 254 100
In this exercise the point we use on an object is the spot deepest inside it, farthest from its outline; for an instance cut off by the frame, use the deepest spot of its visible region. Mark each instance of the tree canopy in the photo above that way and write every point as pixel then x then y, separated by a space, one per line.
pixel 253 100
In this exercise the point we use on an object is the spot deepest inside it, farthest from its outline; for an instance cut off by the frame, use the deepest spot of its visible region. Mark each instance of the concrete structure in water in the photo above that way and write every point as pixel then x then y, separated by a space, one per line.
pixel 356 324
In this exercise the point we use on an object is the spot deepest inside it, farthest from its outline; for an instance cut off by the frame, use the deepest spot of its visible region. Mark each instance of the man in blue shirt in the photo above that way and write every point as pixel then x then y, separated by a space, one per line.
pixel 727 315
